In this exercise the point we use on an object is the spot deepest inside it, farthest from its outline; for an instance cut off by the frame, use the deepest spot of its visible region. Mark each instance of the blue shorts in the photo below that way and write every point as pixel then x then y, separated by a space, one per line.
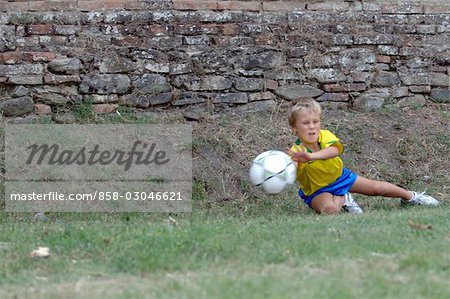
pixel 339 187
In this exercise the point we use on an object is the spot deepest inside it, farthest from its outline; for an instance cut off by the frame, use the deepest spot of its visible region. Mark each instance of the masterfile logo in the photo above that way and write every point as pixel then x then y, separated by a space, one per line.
pixel 54 155
pixel 98 167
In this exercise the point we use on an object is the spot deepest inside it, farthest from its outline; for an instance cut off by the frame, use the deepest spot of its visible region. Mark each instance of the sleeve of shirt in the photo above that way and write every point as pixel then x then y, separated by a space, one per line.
pixel 329 139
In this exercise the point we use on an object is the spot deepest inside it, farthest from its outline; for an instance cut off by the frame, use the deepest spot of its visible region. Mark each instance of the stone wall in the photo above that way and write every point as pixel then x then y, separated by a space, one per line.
pixel 212 55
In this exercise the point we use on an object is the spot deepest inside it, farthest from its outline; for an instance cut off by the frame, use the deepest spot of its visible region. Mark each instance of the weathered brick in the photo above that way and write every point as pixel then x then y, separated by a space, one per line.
pixel 420 89
pixel 235 41
pixel 62 5
pixel 283 6
pixel 388 50
pixel 3 17
pixel 158 30
pixel 14 57
pixel 40 29
pixel 426 29
pixel 239 5
pixel 47 40
pixel 66 29
pixel 194 5
pixel 25 80
pixel 404 29
pixel 383 59
pixel 270 84
pixel 333 97
pixel 13 6
pixel 17 106
pixel 100 5
pixel 41 109
pixel 436 8
pixel 58 79
pixel 196 40
pixel 371 6
pixel 400 92
pixel 342 39
pixel 377 39
pixel 265 40
pixel 38 56
pixel 229 29
pixel 261 96
pixel 341 87
pixel 329 6
pixel 402 8
pixel 29 41
pixel 147 5
pixel 195 29
pixel 127 41
pixel 158 67
pixel 231 98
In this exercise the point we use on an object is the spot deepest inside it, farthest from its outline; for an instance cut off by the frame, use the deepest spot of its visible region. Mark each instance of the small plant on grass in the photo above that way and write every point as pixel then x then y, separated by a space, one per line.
pixel 83 112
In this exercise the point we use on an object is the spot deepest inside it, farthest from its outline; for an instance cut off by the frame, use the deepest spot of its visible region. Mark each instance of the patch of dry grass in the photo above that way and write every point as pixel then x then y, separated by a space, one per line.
pixel 409 148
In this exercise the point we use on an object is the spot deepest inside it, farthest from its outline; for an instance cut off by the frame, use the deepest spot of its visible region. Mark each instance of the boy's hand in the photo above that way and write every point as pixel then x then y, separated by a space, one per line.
pixel 299 156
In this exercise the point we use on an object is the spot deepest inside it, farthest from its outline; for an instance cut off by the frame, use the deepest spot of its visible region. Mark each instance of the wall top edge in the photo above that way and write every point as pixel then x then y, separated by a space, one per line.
pixel 385 7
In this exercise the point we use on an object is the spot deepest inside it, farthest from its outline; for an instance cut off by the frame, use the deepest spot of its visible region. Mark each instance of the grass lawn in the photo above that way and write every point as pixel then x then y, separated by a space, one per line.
pixel 262 249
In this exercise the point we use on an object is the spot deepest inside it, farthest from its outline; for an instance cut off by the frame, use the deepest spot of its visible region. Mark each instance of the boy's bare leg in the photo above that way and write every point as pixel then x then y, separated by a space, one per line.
pixel 326 203
pixel 379 188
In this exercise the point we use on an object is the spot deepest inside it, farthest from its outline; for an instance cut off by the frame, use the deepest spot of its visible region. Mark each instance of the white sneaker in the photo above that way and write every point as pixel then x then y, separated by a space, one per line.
pixel 350 205
pixel 421 199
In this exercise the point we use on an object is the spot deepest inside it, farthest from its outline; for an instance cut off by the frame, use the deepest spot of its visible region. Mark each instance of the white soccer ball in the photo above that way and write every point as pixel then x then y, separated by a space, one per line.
pixel 273 171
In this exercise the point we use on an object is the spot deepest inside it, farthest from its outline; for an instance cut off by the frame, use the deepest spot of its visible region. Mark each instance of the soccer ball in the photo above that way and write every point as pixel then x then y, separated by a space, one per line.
pixel 273 171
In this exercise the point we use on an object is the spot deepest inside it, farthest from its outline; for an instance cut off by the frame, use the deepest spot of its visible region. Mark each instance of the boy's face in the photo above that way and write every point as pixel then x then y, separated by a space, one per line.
pixel 307 126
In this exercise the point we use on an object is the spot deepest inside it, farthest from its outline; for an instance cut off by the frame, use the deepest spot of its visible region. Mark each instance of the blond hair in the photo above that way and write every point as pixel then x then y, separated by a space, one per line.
pixel 300 105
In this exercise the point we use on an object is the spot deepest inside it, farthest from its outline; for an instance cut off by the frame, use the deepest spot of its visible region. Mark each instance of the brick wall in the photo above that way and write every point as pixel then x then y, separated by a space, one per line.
pixel 212 55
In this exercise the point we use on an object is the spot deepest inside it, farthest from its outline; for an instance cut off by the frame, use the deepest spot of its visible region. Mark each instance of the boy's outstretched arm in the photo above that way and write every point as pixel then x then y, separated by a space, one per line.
pixel 324 154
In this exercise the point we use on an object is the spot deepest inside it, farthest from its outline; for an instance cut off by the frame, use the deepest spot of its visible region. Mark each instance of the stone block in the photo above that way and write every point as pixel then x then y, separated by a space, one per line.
pixel 105 84
pixel 231 98
pixel 17 106
pixel 440 79
pixel 39 29
pixel 26 80
pixel 42 109
pixel 239 5
pixel 21 69
pixel 420 89
pixel 261 96
pixel 194 5
pixel 440 95
pixel 93 5
pixel 249 84
pixel 400 92
pixel 38 56
pixel 384 78
pixel 295 91
pixel 60 79
pixel 415 101
pixel 65 65
pixel 333 97
pixel 326 75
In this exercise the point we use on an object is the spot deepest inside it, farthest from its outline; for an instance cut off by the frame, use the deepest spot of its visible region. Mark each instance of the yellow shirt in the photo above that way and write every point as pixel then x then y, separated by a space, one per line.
pixel 317 174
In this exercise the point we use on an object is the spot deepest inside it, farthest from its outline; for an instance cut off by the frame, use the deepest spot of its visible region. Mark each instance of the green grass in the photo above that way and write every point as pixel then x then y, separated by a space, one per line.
pixel 256 249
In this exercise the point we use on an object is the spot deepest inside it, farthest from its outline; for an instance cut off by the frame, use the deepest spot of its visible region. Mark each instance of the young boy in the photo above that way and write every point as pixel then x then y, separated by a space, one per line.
pixel 324 181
